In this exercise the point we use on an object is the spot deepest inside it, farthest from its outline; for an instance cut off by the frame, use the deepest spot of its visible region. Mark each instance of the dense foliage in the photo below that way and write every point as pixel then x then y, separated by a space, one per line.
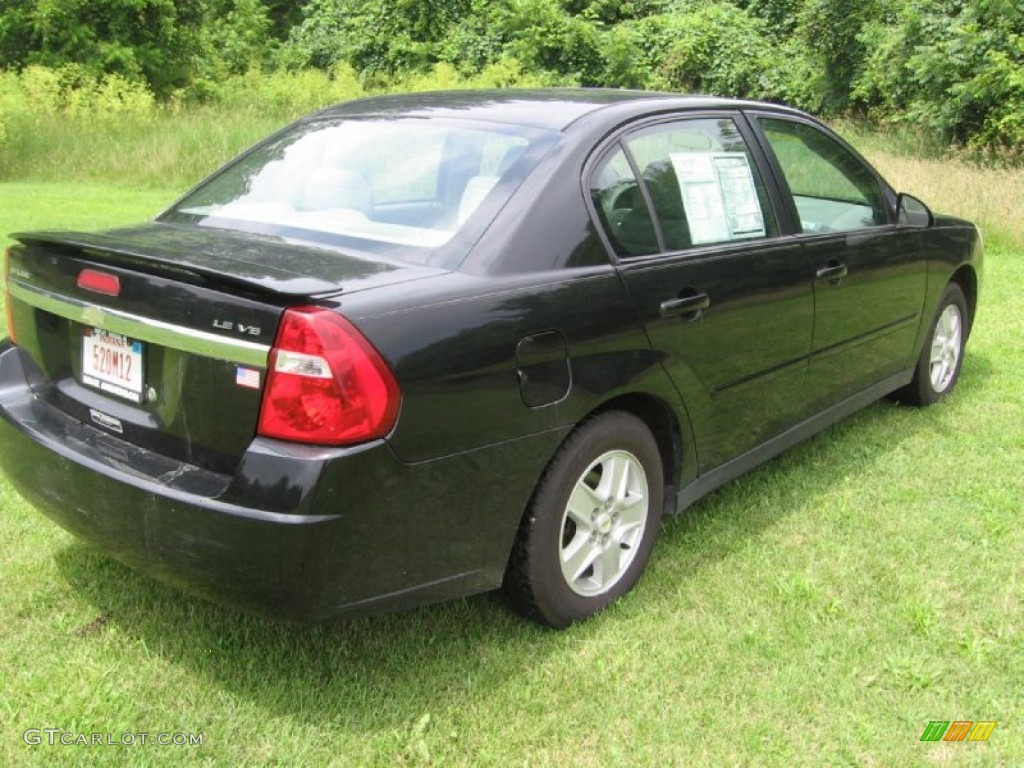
pixel 954 68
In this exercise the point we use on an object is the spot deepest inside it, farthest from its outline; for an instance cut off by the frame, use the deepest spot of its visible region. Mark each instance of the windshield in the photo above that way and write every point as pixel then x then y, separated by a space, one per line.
pixel 413 189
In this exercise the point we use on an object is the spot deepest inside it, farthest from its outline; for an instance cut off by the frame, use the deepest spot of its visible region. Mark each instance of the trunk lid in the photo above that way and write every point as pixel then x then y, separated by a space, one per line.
pixel 176 361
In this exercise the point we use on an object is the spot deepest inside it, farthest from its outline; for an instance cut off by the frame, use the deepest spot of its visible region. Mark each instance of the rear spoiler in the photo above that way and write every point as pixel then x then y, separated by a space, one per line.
pixel 187 261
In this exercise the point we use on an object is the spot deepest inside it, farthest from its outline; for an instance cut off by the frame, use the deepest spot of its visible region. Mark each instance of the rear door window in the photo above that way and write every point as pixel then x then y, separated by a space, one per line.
pixel 681 185
pixel 622 207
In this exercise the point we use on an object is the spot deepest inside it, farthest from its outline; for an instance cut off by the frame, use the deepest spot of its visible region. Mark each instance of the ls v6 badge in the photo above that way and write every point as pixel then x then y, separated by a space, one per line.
pixel 227 325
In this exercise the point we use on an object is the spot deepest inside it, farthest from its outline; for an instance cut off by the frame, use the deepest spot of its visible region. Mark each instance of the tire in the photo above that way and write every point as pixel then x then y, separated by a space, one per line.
pixel 588 532
pixel 938 367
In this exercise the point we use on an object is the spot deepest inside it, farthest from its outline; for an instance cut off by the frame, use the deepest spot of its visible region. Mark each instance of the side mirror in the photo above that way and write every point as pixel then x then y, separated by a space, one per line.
pixel 911 212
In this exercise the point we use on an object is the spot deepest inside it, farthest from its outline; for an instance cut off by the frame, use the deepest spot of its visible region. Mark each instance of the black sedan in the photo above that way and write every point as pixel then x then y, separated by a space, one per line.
pixel 416 347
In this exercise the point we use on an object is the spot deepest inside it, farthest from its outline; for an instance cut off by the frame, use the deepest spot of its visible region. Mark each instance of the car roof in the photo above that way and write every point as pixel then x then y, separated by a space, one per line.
pixel 553 109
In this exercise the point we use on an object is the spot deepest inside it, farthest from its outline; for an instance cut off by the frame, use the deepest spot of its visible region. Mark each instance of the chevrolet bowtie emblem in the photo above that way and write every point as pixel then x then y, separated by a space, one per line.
pixel 93 315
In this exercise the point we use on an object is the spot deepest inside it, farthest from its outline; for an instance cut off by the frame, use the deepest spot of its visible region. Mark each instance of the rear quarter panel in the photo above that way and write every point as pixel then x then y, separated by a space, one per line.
pixel 454 355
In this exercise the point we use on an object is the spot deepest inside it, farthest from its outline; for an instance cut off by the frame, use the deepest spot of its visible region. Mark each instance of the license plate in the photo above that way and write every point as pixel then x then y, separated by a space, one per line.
pixel 112 363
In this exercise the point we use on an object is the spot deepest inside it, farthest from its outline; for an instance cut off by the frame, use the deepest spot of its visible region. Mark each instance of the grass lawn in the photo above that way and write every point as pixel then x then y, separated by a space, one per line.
pixel 819 611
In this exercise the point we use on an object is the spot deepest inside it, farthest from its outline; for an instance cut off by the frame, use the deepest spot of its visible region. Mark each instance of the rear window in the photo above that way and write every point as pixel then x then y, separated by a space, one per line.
pixel 406 188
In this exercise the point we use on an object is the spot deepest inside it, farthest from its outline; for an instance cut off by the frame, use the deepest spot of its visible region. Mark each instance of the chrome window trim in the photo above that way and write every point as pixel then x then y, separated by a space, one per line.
pixel 145 329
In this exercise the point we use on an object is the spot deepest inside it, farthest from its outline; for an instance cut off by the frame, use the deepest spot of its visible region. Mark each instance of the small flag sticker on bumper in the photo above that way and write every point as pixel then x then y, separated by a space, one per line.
pixel 247 377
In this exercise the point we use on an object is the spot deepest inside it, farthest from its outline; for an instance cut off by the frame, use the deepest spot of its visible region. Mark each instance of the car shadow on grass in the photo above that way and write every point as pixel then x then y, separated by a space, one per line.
pixel 365 674
pixel 372 673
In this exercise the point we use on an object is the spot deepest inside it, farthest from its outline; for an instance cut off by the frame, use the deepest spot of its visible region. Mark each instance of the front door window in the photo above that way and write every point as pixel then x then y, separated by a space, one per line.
pixel 832 189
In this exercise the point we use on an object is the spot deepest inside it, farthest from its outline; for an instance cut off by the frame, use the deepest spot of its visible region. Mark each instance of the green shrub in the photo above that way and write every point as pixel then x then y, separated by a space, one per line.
pixel 372 36
pixel 831 32
pixel 996 89
pixel 723 50
pixel 780 16
pixel 286 94
pixel 711 48
pixel 634 52
pixel 390 42
pixel 544 37
pixel 608 12
pixel 148 40
pixel 507 72
pixel 73 92
pixel 39 91
pixel 239 41
pixel 953 69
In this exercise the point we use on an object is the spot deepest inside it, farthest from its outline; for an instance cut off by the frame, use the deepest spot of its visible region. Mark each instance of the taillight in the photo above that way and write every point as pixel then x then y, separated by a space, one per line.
pixel 8 307
pixel 326 383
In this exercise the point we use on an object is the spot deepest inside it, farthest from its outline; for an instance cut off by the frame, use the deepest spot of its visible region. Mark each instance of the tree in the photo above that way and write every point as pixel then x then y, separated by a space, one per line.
pixel 137 39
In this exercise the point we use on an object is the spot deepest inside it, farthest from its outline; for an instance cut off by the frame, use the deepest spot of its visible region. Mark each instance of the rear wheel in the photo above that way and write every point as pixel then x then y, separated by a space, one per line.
pixel 938 367
pixel 589 530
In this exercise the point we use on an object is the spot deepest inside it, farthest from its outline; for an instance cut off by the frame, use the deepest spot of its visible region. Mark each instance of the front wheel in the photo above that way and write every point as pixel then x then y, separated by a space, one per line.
pixel 588 532
pixel 938 367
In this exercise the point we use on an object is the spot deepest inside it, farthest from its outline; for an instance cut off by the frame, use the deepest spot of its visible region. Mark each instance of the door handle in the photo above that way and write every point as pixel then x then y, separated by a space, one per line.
pixel 834 272
pixel 690 306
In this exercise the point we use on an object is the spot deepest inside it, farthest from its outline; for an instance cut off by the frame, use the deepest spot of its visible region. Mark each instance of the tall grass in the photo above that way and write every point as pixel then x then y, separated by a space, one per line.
pixel 58 125
pixel 992 196
pixel 170 150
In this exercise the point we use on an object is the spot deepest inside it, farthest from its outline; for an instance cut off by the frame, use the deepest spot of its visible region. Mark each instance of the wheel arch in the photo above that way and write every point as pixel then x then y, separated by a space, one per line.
pixel 664 425
pixel 967 279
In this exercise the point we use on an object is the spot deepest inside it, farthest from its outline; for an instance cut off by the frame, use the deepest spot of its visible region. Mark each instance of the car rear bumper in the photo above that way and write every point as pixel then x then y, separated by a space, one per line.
pixel 297 532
